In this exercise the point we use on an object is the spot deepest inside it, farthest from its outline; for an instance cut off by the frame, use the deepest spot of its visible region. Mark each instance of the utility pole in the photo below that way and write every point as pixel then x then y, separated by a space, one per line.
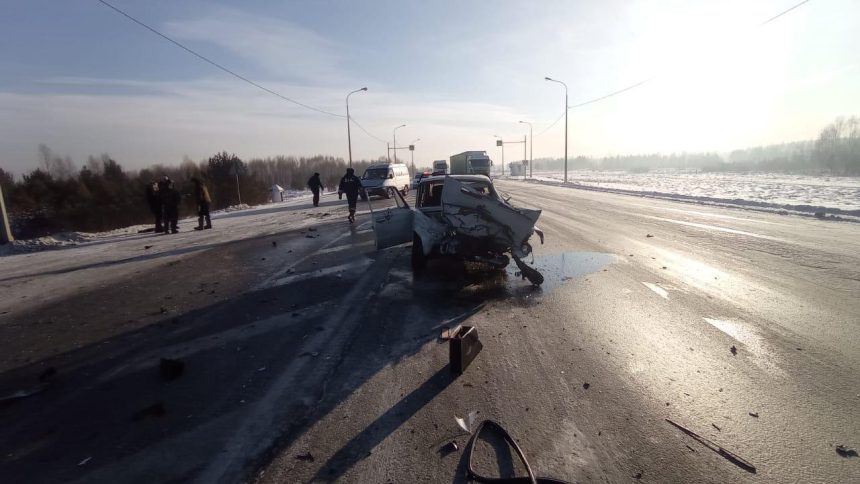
pixel 5 231
pixel 524 152
pixel 388 146
pixel 237 187
pixel 348 136
pixel 566 109
pixel 395 141
pixel 531 146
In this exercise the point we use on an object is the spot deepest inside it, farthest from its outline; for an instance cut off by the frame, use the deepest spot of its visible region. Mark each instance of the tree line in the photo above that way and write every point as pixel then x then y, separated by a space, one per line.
pixel 836 151
pixel 101 195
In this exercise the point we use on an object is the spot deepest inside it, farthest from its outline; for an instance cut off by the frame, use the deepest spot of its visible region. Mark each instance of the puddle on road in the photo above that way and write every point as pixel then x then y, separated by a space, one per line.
pixel 560 268
pixel 479 283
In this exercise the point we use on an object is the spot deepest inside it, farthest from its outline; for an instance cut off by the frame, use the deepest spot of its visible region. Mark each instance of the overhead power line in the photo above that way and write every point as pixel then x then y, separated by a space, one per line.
pixel 633 86
pixel 352 119
pixel 219 66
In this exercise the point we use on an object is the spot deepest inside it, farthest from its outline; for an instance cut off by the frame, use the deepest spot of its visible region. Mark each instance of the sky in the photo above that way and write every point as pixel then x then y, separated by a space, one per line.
pixel 84 80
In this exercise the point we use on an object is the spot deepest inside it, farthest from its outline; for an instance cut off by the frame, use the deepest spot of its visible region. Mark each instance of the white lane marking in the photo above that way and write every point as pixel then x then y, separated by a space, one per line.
pixel 706 214
pixel 657 289
pixel 338 248
pixel 268 281
pixel 365 231
pixel 361 263
pixel 711 227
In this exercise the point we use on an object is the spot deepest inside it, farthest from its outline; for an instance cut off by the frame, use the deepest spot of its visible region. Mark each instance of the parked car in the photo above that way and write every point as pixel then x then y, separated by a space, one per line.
pixel 385 178
pixel 460 216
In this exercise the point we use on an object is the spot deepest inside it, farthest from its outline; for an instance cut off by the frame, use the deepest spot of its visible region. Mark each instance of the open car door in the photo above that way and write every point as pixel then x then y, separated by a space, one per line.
pixel 392 226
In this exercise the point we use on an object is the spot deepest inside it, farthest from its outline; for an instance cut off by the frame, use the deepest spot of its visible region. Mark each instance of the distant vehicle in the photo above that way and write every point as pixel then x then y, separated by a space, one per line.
pixel 418 177
pixel 460 216
pixel 440 166
pixel 470 163
pixel 385 178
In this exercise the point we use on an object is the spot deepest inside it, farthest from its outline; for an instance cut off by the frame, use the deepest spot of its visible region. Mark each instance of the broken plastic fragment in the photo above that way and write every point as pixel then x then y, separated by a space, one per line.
pixel 467 423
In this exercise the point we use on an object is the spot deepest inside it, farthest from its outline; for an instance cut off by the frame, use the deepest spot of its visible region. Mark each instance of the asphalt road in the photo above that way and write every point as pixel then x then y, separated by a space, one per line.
pixel 317 358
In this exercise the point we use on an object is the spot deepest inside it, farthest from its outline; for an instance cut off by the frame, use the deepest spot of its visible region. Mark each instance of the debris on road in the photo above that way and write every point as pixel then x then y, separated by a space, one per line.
pixel 586 385
pixel 753 414
pixel 731 457
pixel 733 350
pixel 307 457
pixel 147 247
pixel 463 348
pixel 845 451
pixel 448 448
pixel 649 236
pixel 85 461
pixel 489 424
pixel 467 423
pixel 157 409
pixel 274 243
pixel 170 369
pixel 715 426
pixel 638 475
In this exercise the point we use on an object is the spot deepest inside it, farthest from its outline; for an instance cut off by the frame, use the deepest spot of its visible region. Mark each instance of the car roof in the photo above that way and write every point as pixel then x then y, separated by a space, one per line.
pixel 467 178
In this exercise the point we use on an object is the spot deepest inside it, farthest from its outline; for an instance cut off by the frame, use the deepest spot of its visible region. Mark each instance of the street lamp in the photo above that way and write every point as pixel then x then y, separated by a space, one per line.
pixel 395 141
pixel 565 124
pixel 531 145
pixel 412 153
pixel 348 136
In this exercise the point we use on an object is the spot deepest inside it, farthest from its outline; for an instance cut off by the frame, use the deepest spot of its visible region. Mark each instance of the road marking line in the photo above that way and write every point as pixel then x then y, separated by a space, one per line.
pixel 344 246
pixel 711 227
pixel 657 289
pixel 321 272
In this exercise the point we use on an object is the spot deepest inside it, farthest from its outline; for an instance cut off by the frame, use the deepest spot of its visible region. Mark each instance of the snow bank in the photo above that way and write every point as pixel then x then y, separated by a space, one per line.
pixel 820 196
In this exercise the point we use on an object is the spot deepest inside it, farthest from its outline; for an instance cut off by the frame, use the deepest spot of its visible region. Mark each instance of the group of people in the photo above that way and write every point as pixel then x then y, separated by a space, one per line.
pixel 350 185
pixel 164 199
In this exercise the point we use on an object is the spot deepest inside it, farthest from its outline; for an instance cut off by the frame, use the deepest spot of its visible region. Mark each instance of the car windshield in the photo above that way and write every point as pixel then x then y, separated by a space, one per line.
pixel 479 161
pixel 376 174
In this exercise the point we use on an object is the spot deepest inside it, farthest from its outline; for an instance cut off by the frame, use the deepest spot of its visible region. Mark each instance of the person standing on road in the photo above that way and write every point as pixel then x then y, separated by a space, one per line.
pixel 315 185
pixel 201 195
pixel 154 201
pixel 350 185
pixel 170 198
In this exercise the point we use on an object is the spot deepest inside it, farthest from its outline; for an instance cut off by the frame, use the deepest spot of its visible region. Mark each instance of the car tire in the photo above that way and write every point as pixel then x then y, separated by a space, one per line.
pixel 419 260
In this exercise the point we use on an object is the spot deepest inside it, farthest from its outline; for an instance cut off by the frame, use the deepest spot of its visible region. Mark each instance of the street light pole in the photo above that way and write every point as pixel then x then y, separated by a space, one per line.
pixel 502 144
pixel 531 146
pixel 565 124
pixel 395 141
pixel 348 136
pixel 5 231
pixel 412 154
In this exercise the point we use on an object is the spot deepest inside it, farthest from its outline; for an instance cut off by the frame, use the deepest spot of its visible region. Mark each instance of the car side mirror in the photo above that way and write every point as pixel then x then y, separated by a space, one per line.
pixel 391 175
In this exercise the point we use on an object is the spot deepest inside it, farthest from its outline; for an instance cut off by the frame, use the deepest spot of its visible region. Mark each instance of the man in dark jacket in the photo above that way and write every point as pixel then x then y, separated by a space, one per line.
pixel 351 186
pixel 170 197
pixel 154 201
pixel 315 185
pixel 201 196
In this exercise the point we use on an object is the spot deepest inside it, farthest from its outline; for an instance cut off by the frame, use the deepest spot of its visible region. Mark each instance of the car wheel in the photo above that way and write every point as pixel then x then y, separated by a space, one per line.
pixel 419 260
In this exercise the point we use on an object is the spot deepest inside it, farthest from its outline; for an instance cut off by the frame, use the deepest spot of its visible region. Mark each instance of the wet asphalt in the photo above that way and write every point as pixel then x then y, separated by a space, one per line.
pixel 324 363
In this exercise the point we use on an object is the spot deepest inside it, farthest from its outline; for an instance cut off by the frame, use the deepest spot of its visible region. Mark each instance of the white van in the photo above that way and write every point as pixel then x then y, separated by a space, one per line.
pixel 381 179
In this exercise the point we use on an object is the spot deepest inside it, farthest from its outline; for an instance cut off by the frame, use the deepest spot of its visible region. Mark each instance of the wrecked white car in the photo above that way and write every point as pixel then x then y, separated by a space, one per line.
pixel 460 216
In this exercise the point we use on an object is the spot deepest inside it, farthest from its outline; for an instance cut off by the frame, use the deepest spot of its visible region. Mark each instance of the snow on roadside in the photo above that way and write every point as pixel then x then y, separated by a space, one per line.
pixel 836 198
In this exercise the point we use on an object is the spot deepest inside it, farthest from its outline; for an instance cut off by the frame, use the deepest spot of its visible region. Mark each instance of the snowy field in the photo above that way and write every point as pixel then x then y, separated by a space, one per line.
pixel 770 191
